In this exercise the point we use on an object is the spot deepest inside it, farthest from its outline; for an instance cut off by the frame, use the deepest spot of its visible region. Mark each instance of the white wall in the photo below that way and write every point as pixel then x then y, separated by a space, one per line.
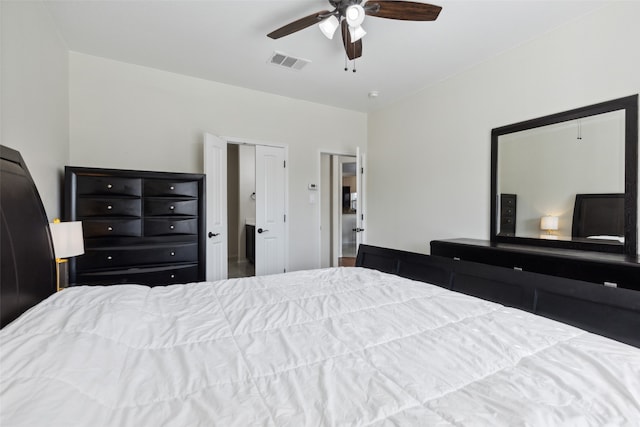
pixel 130 117
pixel 34 96
pixel 429 155
pixel 326 213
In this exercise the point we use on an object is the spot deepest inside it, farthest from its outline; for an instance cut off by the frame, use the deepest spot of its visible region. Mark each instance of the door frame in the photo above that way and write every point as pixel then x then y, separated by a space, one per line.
pixel 319 210
pixel 254 142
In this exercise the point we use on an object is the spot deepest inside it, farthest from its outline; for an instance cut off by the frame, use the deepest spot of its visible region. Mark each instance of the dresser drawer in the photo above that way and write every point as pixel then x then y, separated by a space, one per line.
pixel 109 207
pixel 112 228
pixel 160 207
pixel 507 221
pixel 142 276
pixel 167 188
pixel 106 185
pixel 94 259
pixel 167 227
pixel 186 274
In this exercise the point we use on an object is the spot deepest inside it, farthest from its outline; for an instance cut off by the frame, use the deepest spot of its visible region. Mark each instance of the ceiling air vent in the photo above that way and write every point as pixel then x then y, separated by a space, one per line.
pixel 287 61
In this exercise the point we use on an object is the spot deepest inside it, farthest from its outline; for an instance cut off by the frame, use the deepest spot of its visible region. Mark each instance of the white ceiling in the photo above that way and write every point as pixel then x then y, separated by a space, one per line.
pixel 225 41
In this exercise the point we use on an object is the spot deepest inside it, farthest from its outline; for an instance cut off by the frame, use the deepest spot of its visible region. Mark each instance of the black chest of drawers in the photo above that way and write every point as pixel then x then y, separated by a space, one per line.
pixel 139 226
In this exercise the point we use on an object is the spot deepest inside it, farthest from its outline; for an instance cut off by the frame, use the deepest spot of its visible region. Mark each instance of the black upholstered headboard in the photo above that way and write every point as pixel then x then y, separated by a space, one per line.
pixel 27 272
pixel 611 312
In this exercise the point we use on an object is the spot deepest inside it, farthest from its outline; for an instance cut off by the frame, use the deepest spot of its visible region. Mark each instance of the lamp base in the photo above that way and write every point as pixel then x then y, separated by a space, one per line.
pixel 62 274
pixel 549 236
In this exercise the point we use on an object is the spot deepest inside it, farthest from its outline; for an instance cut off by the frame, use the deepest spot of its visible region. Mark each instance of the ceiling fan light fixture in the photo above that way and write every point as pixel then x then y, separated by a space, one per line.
pixel 356 33
pixel 350 14
pixel 329 26
pixel 354 15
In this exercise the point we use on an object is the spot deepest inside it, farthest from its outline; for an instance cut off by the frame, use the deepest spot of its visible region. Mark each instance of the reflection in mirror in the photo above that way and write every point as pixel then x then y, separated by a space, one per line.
pixel 546 167
pixel 568 180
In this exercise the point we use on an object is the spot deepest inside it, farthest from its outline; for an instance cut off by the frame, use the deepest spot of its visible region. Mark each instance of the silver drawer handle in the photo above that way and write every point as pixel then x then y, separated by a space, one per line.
pixel 110 228
pixel 109 207
pixel 171 188
pixel 173 276
pixel 171 227
pixel 109 257
pixel 173 254
pixel 109 186
pixel 171 207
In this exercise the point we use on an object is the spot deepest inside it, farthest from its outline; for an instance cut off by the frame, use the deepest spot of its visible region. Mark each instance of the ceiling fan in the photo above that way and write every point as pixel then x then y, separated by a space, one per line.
pixel 349 16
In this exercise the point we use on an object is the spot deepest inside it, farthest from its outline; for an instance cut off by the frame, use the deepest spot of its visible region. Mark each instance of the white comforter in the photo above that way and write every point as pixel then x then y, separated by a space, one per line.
pixel 335 347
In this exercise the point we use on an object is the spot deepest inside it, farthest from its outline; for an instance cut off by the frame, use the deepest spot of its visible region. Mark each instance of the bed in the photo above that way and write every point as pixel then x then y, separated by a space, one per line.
pixel 402 339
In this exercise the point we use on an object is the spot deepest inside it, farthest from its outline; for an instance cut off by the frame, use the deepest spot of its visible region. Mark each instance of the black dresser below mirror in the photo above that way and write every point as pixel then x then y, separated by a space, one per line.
pixel 139 226
pixel 616 270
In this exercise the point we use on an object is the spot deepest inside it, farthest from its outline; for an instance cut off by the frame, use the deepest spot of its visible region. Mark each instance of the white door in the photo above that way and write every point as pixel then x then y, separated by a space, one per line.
pixel 215 167
pixel 270 210
pixel 360 185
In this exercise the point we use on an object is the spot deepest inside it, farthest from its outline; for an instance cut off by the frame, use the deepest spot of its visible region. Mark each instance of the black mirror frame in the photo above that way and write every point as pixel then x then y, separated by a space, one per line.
pixel 630 105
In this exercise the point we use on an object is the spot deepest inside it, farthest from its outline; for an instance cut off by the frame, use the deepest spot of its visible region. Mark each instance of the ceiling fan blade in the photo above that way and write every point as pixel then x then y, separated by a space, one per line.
pixel 403 10
pixel 354 50
pixel 300 24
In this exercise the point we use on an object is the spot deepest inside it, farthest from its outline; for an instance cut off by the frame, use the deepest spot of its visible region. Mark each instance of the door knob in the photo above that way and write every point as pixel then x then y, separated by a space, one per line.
pixel 213 234
pixel 260 230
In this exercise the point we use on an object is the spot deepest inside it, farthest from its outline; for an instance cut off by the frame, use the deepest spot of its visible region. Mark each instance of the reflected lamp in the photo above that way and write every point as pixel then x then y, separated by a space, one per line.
pixel 549 223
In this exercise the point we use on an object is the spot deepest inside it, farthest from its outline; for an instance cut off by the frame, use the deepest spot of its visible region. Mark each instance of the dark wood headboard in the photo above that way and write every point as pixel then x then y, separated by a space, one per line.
pixel 598 215
pixel 27 271
pixel 611 312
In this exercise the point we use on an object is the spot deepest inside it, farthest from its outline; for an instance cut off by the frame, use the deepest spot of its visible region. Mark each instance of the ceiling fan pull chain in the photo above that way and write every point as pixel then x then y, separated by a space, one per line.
pixel 354 65
pixel 345 62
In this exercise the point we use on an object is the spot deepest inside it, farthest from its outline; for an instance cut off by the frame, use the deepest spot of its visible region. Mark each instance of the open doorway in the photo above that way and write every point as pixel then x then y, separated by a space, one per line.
pixel 348 212
pixel 267 199
pixel 256 210
pixel 339 213
pixel 241 209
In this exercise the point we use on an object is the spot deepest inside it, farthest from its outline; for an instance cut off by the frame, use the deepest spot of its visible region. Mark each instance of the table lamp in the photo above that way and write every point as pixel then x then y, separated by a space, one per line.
pixel 549 223
pixel 67 242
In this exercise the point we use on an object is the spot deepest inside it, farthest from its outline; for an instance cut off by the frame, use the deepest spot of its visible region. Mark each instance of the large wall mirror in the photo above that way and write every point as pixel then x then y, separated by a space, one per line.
pixel 568 180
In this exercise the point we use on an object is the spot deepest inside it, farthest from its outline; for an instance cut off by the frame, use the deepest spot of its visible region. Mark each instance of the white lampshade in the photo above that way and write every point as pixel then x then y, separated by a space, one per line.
pixel 354 15
pixel 329 26
pixel 356 33
pixel 67 238
pixel 549 222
